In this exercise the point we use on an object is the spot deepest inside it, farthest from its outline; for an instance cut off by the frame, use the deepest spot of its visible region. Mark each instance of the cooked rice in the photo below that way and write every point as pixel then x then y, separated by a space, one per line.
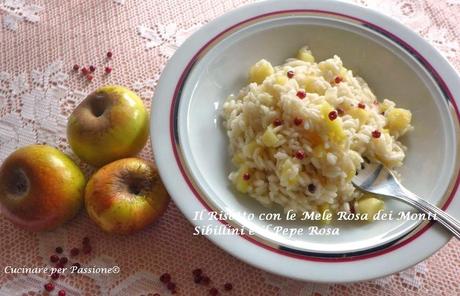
pixel 266 167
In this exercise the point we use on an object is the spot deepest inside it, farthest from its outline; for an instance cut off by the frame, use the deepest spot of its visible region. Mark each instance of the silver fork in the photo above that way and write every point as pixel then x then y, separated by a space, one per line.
pixel 376 179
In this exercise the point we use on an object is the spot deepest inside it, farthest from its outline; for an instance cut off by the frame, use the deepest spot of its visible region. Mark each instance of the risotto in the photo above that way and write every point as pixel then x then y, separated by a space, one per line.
pixel 300 131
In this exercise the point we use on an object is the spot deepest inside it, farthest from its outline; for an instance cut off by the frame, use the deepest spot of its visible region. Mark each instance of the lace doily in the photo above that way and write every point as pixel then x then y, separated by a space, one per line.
pixel 16 11
pixel 40 42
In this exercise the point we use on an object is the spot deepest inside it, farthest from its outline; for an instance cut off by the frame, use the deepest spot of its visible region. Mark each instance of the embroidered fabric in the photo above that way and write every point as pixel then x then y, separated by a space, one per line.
pixel 39 90
pixel 16 11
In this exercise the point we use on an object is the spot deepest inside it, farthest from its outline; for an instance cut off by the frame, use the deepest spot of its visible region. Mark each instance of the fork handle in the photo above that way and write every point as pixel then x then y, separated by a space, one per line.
pixel 441 216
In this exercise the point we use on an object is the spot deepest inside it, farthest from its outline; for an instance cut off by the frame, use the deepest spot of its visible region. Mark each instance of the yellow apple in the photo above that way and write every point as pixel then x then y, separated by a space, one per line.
pixel 125 196
pixel 109 124
pixel 40 188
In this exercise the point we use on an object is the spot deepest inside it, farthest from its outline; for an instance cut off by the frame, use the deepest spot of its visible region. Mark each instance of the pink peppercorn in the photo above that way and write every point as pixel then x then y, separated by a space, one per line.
pixel 277 122
pixel 300 154
pixel 376 134
pixel 63 260
pixel 49 287
pixel 197 272
pixel 246 176
pixel 228 287
pixel 54 258
pixel 301 94
pixel 290 74
pixel 165 278
pixel 332 115
pixel 298 121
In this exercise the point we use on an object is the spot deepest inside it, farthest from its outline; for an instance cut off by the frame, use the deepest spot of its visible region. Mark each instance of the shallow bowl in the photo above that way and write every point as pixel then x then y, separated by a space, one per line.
pixel 191 146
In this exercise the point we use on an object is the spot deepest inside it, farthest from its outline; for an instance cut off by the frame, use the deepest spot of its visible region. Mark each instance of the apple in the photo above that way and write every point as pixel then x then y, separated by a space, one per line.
pixel 109 124
pixel 40 188
pixel 125 196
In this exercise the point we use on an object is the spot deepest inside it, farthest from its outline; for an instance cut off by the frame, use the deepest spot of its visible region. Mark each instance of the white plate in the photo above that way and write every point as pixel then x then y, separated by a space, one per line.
pixel 190 145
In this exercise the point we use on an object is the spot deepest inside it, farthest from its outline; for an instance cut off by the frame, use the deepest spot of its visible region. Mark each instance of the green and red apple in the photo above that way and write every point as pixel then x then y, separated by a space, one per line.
pixel 109 124
pixel 126 196
pixel 40 188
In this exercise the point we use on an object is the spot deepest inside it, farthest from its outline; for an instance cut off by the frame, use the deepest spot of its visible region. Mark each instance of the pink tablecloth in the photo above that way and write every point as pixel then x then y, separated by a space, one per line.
pixel 41 40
